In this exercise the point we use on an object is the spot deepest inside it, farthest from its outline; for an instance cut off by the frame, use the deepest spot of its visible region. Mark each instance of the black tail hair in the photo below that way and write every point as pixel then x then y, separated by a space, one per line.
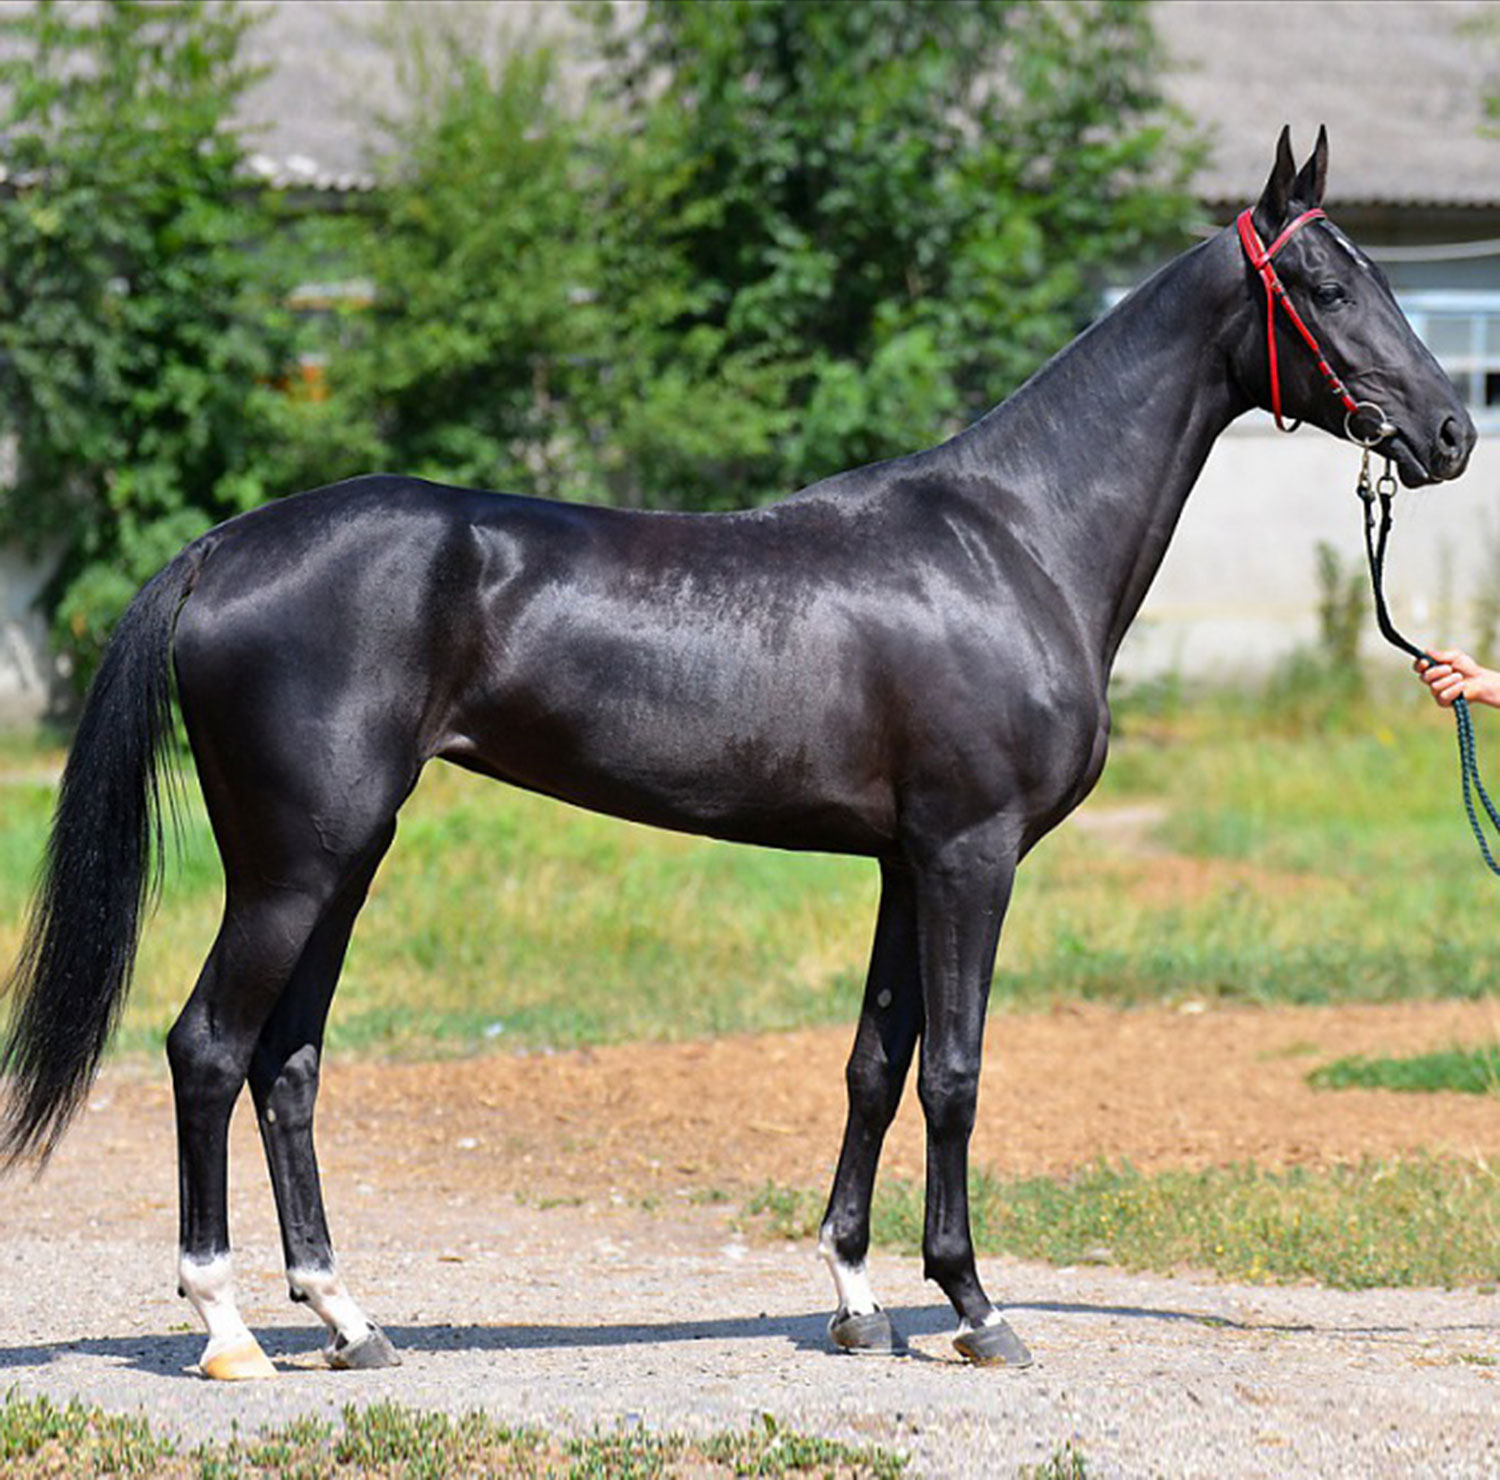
pixel 102 870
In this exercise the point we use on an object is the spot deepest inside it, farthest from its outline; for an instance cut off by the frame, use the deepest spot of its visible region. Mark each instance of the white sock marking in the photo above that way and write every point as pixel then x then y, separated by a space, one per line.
pixel 852 1281
pixel 324 1291
pixel 209 1284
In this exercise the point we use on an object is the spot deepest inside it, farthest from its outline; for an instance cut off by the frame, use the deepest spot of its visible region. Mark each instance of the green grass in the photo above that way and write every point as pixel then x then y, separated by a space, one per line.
pixel 1065 1463
pixel 1421 1222
pixel 1310 863
pixel 41 1438
pixel 1468 1071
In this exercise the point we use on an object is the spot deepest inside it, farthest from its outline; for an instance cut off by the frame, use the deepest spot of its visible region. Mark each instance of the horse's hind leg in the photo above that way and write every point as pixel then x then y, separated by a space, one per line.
pixel 209 1048
pixel 889 1023
pixel 284 1083
pixel 299 846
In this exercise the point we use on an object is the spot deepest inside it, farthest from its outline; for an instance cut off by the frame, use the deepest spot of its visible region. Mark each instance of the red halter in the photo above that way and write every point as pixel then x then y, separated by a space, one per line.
pixel 1260 259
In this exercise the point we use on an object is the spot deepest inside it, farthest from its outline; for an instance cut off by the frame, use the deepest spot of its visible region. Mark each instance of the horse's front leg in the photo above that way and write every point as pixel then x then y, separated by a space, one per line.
pixel 962 890
pixel 889 1023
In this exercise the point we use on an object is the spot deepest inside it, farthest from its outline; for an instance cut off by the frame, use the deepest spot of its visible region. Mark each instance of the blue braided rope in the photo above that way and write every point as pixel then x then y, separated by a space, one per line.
pixel 1469 769
pixel 1468 764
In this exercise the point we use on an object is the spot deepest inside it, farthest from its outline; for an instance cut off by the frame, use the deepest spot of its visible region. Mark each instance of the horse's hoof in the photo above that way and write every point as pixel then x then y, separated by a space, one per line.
pixel 242 1362
pixel 869 1335
pixel 993 1346
pixel 370 1351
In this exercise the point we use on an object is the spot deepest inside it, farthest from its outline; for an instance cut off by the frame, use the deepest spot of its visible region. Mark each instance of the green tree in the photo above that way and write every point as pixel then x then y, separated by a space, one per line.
pixel 891 211
pixel 140 335
pixel 479 250
pixel 779 237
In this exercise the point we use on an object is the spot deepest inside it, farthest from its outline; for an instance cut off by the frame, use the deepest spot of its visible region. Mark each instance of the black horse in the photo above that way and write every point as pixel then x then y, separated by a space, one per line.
pixel 906 661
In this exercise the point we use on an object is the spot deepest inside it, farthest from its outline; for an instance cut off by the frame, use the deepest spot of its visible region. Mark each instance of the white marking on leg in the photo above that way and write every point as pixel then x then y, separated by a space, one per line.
pixel 209 1284
pixel 324 1291
pixel 852 1281
pixel 994 1318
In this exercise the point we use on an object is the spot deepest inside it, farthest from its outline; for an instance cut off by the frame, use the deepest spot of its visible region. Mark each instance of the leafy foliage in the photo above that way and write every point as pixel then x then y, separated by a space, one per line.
pixel 138 337
pixel 900 209
pixel 774 239
pixel 479 249
pixel 784 237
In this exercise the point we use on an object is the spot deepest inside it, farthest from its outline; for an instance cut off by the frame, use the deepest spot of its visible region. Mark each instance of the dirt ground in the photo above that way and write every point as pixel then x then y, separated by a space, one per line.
pixel 540 1236
pixel 1060 1089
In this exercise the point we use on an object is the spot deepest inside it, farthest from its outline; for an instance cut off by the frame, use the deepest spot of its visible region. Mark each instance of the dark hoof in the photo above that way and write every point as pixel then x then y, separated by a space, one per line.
pixel 869 1335
pixel 993 1346
pixel 370 1351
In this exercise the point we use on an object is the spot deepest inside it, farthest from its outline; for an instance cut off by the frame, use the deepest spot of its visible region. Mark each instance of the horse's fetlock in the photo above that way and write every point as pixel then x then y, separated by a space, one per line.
pixel 946 1258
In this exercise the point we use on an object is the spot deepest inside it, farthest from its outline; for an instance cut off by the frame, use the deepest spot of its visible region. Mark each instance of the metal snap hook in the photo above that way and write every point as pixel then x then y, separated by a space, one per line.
pixel 1383 430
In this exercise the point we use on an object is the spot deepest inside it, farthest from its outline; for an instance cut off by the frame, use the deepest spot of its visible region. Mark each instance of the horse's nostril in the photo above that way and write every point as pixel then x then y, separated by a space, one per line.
pixel 1451 448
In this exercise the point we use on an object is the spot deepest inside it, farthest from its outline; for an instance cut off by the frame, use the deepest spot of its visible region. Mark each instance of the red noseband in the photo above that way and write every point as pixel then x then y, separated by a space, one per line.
pixel 1260 257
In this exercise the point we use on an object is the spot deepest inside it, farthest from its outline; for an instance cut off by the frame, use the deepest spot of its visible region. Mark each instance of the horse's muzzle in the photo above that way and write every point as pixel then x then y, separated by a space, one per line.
pixel 1442 459
pixel 1451 447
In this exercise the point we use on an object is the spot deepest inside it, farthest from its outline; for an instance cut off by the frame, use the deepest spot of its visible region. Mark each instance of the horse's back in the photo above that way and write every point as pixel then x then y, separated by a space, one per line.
pixel 774 676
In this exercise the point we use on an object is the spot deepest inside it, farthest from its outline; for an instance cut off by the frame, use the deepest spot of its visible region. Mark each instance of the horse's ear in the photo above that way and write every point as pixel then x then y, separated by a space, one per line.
pixel 1271 210
pixel 1312 181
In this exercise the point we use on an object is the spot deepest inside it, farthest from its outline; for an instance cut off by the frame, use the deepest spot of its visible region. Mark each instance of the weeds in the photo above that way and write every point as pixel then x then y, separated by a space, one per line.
pixel 1066 1463
pixel 38 1438
pixel 1469 1071
pixel 1414 1223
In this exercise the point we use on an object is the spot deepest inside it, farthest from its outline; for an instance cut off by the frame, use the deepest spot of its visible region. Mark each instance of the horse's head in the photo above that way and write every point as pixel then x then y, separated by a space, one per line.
pixel 1325 341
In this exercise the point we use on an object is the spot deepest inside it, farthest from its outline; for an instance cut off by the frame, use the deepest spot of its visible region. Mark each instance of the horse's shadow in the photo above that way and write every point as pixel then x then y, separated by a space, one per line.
pixel 170 1354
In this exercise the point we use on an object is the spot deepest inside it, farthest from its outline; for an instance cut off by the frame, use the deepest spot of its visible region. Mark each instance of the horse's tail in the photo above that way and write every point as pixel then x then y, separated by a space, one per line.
pixel 102 870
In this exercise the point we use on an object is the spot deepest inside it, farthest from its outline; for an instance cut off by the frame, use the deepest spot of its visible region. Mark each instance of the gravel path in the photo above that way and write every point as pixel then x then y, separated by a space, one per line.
pixel 579 1318
pixel 508 1286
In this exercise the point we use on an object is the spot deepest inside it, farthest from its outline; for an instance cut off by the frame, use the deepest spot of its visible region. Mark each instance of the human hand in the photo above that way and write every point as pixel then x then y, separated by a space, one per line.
pixel 1455 675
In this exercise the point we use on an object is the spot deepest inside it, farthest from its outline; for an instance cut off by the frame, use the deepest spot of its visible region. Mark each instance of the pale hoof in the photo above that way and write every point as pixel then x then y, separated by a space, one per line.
pixel 868 1335
pixel 242 1362
pixel 370 1351
pixel 993 1346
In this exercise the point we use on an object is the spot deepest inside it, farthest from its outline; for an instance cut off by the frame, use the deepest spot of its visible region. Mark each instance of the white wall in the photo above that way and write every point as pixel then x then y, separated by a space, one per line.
pixel 1238 589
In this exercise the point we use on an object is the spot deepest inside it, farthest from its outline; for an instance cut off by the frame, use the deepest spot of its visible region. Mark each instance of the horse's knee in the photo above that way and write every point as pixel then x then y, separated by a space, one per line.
pixel 949 1093
pixel 874 1086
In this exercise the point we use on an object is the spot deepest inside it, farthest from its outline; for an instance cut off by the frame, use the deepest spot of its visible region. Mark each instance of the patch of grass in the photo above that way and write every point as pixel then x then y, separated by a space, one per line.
pixel 1309 864
pixel 1423 1222
pixel 1306 866
pixel 1469 1071
pixel 38 1438
pixel 1066 1463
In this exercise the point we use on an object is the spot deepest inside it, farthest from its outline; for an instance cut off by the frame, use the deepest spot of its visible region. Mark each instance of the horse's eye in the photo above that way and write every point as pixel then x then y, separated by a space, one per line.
pixel 1328 294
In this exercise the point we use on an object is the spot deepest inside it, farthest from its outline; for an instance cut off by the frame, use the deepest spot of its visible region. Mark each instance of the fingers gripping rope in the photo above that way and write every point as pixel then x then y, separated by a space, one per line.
pixel 1381 494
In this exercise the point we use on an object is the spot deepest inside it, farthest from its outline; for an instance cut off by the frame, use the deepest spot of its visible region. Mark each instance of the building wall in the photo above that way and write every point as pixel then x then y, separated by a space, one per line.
pixel 1238 590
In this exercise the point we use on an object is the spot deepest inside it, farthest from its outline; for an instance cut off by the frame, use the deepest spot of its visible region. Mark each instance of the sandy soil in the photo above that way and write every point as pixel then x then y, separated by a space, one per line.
pixel 1060 1089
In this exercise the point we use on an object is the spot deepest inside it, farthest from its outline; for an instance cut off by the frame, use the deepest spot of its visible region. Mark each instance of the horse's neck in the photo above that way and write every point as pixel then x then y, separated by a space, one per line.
pixel 1092 460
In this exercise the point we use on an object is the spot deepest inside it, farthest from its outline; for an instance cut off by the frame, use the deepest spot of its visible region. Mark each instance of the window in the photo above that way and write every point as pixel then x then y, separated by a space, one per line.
pixel 1462 328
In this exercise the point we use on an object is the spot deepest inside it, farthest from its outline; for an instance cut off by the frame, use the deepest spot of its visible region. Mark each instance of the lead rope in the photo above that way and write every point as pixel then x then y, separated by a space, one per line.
pixel 1381 493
